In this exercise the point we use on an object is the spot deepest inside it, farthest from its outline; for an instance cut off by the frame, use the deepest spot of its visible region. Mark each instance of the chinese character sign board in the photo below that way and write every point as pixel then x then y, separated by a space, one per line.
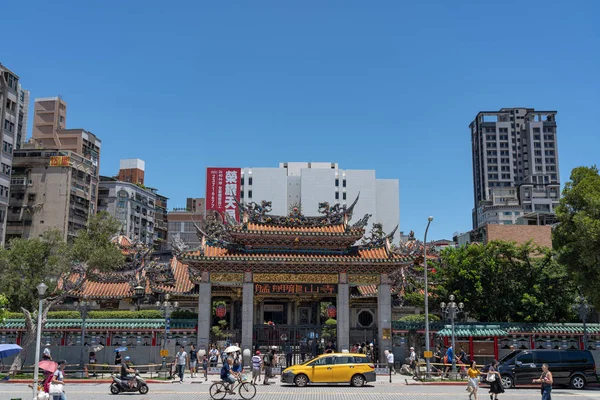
pixel 60 161
pixel 222 190
pixel 290 288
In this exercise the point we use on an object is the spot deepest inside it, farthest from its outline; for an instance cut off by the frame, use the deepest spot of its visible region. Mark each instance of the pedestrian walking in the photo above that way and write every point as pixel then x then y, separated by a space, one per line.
pixel 473 384
pixel 546 380
pixel 268 362
pixel 390 361
pixel 495 380
pixel 193 361
pixel 181 357
pixel 448 358
pixel 214 356
pixel 205 367
pixel 257 364
pixel 58 378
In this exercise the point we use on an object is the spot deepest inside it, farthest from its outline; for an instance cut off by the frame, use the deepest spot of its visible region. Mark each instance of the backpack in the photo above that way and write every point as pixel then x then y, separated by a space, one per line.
pixel 266 360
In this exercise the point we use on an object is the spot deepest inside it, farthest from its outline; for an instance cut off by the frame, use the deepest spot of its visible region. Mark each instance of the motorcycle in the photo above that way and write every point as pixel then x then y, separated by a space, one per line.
pixel 122 385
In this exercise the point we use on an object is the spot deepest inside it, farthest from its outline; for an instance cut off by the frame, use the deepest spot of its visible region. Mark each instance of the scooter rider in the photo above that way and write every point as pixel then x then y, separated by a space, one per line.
pixel 128 373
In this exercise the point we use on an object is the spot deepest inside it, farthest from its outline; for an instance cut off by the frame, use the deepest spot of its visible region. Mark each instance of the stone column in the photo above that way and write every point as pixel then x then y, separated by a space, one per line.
pixel 384 319
pixel 343 313
pixel 247 313
pixel 204 311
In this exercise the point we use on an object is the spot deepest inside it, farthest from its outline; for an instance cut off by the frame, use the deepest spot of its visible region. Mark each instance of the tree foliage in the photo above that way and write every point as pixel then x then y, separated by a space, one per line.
pixel 419 318
pixel 26 263
pixel 577 236
pixel 93 245
pixel 3 310
pixel 506 282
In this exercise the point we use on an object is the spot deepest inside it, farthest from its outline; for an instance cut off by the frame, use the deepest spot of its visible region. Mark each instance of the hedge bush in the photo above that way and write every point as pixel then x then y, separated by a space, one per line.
pixel 100 314
pixel 419 318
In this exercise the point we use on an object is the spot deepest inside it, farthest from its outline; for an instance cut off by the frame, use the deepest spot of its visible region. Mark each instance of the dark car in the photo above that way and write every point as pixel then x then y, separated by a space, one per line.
pixel 575 368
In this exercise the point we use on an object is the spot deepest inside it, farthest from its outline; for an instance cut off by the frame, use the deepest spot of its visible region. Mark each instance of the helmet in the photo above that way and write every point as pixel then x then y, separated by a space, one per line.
pixel 127 358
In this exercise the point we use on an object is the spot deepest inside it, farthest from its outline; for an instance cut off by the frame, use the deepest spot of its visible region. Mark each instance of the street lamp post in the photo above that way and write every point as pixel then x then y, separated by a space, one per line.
pixel 452 309
pixel 584 310
pixel 138 292
pixel 166 309
pixel 84 307
pixel 41 288
pixel 427 347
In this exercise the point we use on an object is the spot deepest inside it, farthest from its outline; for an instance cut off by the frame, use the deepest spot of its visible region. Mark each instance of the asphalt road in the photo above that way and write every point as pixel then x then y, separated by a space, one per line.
pixel 380 390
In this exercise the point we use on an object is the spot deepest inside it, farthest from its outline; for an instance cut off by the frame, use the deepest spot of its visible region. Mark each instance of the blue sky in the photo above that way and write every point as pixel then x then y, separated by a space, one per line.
pixel 384 85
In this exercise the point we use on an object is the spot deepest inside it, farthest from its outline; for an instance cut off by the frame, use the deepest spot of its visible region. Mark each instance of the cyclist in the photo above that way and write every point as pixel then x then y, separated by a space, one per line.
pixel 228 376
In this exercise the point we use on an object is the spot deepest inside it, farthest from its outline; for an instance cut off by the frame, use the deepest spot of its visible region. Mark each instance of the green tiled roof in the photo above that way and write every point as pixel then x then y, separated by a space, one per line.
pixel 58 324
pixel 473 331
pixel 479 329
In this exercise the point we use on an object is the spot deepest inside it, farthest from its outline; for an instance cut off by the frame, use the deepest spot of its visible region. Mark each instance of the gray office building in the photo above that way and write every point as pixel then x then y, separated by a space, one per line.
pixel 515 167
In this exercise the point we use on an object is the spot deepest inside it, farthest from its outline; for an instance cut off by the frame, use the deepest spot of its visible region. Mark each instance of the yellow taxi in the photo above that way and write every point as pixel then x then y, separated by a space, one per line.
pixel 355 369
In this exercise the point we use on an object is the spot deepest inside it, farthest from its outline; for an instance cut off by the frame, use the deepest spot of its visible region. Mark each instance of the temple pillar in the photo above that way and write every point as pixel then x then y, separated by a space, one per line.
pixel 247 313
pixel 343 313
pixel 384 316
pixel 204 311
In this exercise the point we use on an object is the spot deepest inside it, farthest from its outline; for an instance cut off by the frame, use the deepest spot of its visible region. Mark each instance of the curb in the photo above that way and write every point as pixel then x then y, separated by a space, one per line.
pixel 22 381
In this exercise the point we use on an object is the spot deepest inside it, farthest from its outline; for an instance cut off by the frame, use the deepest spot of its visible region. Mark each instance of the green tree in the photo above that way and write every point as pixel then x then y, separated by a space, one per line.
pixel 93 245
pixel 577 235
pixel 505 282
pixel 27 262
pixel 3 308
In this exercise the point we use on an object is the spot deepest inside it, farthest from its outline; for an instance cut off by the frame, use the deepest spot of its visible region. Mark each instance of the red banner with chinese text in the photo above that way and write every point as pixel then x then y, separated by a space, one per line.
pixel 222 190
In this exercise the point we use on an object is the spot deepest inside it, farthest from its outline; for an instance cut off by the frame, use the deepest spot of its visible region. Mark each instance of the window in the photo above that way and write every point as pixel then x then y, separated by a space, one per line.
pixel 547 357
pixel 526 358
pixel 365 318
pixel 344 196
pixel 5 169
pixel 250 182
pixel 323 361
pixel 575 357
pixel 250 193
pixel 3 191
pixel 337 182
pixel 9 126
pixel 337 195
pixel 536 130
pixel 344 183
pixel 7 147
pixel 242 181
pixel 344 360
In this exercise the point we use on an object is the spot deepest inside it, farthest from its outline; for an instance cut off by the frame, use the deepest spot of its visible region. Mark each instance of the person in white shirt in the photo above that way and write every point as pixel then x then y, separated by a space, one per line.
pixel 181 360
pixel 390 361
pixel 413 358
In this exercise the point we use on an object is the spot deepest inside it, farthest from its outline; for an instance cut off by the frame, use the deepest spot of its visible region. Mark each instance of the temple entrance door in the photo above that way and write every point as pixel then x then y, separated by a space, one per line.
pixel 275 313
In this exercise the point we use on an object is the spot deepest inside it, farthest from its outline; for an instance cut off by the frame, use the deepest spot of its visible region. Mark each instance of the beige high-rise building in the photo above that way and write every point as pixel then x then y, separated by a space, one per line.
pixel 49 131
pixel 55 176
pixel 50 189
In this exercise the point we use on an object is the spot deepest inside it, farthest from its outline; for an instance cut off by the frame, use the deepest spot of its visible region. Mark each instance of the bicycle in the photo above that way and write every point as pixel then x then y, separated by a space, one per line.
pixel 219 390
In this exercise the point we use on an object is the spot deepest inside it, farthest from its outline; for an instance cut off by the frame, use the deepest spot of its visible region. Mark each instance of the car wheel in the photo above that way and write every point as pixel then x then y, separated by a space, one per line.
pixel 301 380
pixel 507 382
pixel 114 389
pixel 143 389
pixel 577 382
pixel 357 380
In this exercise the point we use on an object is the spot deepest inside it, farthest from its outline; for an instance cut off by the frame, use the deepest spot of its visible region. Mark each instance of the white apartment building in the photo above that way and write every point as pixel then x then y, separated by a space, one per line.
pixel 515 167
pixel 132 205
pixel 14 106
pixel 306 184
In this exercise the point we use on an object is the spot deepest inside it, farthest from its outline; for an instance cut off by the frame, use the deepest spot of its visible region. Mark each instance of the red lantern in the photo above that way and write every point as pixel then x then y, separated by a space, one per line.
pixel 220 310
pixel 331 311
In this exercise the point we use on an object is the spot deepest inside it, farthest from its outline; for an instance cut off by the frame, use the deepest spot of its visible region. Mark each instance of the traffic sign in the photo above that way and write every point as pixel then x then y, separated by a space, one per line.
pixel 428 354
pixel 164 353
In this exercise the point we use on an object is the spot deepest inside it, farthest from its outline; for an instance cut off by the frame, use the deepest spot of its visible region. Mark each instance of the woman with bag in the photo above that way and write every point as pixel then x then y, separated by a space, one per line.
pixel 495 380
pixel 546 380
pixel 57 384
pixel 473 384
